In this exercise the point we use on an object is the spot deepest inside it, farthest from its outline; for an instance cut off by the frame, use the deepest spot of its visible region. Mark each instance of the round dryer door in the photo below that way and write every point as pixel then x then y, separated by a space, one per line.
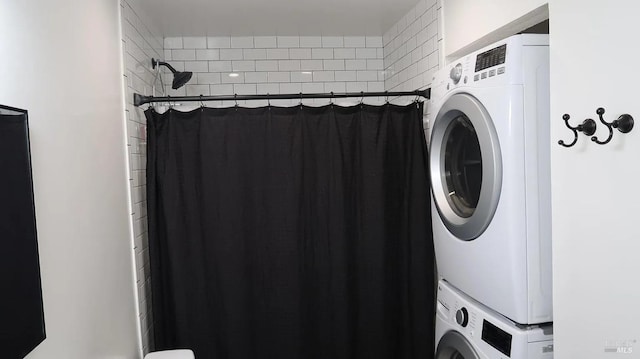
pixel 465 166
pixel 453 345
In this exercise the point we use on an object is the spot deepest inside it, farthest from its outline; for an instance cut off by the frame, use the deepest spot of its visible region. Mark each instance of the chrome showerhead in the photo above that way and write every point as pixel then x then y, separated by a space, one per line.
pixel 180 78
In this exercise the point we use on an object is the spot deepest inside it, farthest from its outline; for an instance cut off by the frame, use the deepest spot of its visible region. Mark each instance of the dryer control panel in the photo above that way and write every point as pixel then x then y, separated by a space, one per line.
pixel 499 64
pixel 456 73
pixel 489 59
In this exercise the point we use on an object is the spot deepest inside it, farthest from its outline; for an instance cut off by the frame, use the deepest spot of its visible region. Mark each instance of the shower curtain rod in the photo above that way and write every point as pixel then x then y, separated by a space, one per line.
pixel 139 100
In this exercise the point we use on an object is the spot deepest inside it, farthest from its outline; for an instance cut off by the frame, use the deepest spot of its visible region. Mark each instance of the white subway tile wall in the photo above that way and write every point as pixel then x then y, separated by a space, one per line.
pixel 411 48
pixel 141 42
pixel 275 65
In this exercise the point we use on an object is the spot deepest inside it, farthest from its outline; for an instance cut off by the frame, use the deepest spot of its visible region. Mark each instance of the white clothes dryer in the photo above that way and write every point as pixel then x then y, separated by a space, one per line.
pixel 490 174
pixel 465 329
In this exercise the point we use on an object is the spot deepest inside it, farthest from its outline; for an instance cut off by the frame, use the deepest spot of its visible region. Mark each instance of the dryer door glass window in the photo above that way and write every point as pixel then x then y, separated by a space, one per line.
pixel 463 166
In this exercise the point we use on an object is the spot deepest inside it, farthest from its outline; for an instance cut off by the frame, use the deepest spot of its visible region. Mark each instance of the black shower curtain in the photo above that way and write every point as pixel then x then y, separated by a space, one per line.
pixel 291 233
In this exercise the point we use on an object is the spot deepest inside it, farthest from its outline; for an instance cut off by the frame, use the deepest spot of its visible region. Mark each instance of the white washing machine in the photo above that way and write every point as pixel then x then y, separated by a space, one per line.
pixel 465 329
pixel 490 174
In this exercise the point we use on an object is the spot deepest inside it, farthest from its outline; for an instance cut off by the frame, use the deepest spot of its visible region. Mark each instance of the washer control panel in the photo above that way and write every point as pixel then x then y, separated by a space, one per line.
pixel 457 311
pixel 462 317
pixel 491 334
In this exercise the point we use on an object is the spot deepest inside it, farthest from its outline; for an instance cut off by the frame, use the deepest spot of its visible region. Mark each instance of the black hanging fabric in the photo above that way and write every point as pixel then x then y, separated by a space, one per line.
pixel 291 233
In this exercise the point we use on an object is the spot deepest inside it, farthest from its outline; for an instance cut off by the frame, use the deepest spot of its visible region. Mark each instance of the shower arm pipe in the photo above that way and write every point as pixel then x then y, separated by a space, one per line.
pixel 139 100
pixel 155 63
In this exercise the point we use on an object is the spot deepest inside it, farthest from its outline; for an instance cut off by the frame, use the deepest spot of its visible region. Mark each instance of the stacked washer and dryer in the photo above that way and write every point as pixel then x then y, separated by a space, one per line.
pixel 490 173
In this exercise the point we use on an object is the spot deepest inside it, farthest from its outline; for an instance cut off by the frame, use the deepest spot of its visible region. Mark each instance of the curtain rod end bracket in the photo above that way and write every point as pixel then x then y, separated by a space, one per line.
pixel 139 99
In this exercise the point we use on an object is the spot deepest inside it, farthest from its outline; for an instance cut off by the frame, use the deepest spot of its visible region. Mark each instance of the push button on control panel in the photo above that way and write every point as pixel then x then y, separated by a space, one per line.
pixel 500 70
pixel 492 73
pixel 483 75
pixel 476 77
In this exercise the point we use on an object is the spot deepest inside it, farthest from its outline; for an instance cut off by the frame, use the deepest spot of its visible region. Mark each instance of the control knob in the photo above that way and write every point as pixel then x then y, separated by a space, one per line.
pixel 456 73
pixel 462 317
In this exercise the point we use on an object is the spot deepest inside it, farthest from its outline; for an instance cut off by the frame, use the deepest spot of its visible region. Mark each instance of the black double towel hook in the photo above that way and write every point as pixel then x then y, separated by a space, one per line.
pixel 624 124
pixel 588 127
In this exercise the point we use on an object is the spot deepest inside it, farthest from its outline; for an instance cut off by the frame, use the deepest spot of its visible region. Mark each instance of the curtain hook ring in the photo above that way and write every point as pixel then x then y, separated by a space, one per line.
pixel 300 100
pixel 332 98
pixel 361 97
pixel 201 102
pixel 268 101
pixel 235 98
pixel 386 97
